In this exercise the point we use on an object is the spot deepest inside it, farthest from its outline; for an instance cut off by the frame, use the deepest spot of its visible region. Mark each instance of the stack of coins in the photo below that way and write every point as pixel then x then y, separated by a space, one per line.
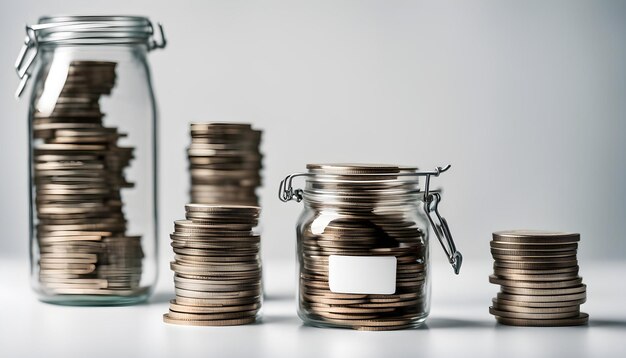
pixel 356 226
pixel 538 275
pixel 217 268
pixel 78 170
pixel 225 163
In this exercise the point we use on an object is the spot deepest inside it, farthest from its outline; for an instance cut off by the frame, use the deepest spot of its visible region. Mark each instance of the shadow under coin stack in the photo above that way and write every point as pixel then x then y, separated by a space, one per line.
pixel 79 173
pixel 225 163
pixel 217 267
pixel 538 275
pixel 358 227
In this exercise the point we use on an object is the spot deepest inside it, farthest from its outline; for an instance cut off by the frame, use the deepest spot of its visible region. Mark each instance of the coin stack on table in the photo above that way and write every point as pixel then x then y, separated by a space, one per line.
pixel 356 227
pixel 79 173
pixel 217 267
pixel 538 275
pixel 225 163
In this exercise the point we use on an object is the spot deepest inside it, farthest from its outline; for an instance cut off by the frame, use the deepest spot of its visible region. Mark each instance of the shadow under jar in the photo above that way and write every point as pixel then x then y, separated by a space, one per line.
pixel 92 135
pixel 362 245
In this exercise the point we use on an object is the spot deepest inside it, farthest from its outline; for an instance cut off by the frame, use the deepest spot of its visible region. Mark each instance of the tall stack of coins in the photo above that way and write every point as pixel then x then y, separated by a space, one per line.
pixel 79 174
pixel 538 276
pixel 225 163
pixel 358 223
pixel 217 268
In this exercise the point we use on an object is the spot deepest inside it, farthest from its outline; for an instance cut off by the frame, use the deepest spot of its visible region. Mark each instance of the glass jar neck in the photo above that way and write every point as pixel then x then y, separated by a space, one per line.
pixel 96 52
pixel 366 194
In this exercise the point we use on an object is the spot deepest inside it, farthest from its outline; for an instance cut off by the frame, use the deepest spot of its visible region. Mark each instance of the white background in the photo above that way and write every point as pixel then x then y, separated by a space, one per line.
pixel 526 99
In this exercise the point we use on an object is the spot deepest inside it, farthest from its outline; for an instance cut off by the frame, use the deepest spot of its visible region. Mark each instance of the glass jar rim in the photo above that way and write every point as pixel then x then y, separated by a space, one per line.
pixel 92 30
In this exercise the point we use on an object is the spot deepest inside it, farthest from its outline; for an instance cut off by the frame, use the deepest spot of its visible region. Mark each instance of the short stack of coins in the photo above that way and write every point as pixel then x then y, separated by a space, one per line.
pixel 217 267
pixel 356 228
pixel 78 170
pixel 538 276
pixel 224 163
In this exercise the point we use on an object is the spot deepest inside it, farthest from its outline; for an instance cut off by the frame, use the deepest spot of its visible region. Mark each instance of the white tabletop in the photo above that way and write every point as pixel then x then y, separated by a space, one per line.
pixel 459 324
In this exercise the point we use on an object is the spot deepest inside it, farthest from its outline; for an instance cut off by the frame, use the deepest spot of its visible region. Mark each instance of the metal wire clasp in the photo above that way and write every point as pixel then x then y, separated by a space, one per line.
pixel 154 44
pixel 439 223
pixel 286 191
pixel 25 59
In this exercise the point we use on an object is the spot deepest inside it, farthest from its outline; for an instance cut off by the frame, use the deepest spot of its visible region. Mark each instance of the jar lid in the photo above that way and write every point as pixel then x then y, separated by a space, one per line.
pixel 84 30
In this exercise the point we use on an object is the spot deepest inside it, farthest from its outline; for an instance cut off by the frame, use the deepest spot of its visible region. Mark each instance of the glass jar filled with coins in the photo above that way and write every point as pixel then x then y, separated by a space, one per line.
pixel 92 121
pixel 362 245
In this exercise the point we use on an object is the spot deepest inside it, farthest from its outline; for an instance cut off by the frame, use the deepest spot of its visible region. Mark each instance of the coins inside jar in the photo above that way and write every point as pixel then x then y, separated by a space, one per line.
pixel 78 169
pixel 225 163
pixel 363 211
pixel 217 267
pixel 538 275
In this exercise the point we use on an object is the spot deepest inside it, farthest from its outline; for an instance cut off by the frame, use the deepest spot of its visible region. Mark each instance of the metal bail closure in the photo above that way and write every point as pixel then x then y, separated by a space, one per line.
pixel 439 224
pixel 442 230
pixel 154 43
pixel 25 59
pixel 286 192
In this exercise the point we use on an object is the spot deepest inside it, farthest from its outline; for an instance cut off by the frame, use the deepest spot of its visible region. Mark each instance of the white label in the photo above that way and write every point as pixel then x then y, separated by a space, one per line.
pixel 362 274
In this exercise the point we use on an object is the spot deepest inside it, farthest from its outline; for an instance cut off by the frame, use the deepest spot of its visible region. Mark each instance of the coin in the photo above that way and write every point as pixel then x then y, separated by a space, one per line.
pixel 499 304
pixel 505 271
pixel 542 304
pixel 218 302
pixel 517 254
pixel 572 282
pixel 544 291
pixel 535 265
pixel 176 306
pixel 224 322
pixel 212 316
pixel 537 246
pixel 534 316
pixel 535 277
pixel 549 298
pixel 536 236
pixel 581 319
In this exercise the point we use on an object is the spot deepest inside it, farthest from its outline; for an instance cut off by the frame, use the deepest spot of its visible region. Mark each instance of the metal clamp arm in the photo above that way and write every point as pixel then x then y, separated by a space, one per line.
pixel 25 59
pixel 154 44
pixel 442 231
pixel 286 192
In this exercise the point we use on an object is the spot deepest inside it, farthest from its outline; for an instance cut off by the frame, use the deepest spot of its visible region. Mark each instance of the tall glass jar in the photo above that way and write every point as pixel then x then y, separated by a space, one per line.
pixel 362 245
pixel 92 136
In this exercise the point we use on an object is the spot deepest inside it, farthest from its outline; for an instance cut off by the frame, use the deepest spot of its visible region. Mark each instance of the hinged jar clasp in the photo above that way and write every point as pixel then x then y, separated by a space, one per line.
pixel 286 192
pixel 439 223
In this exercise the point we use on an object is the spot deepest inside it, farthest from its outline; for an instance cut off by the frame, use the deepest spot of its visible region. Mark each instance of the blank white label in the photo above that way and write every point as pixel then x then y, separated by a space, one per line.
pixel 362 274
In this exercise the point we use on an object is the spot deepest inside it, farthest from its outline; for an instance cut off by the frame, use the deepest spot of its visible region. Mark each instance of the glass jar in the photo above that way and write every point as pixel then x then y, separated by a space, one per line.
pixel 362 245
pixel 92 140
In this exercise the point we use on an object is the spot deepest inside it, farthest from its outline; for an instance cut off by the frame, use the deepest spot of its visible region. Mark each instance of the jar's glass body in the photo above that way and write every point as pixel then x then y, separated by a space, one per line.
pixel 92 134
pixel 363 267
